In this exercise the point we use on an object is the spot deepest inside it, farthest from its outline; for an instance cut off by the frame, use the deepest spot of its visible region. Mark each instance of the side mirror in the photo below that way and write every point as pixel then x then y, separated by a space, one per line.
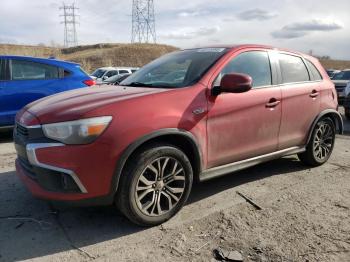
pixel 235 83
pixel 105 77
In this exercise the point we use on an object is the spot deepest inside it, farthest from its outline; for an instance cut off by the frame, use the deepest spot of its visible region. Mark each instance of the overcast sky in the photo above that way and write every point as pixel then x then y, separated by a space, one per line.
pixel 303 25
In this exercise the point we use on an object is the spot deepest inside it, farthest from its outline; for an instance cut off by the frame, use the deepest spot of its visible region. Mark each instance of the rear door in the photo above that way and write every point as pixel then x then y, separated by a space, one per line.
pixel 28 81
pixel 300 100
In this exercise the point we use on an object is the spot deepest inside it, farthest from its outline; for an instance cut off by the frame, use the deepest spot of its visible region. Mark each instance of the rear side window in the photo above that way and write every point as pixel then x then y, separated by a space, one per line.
pixel 66 73
pixel 254 63
pixel 123 72
pixel 293 69
pixel 111 73
pixel 314 71
pixel 27 70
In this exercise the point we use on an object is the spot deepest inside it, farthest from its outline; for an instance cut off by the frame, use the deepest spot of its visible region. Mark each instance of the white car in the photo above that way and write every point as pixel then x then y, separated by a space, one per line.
pixel 103 73
pixel 341 80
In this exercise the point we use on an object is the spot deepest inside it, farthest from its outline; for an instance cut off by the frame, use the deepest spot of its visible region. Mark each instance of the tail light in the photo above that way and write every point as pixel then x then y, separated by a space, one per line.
pixel 89 82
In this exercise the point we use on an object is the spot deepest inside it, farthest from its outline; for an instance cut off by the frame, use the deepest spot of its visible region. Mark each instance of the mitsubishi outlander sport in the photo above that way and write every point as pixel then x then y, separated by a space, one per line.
pixel 191 115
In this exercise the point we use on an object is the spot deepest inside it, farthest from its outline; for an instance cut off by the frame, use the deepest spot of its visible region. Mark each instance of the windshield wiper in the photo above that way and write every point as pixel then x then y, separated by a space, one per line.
pixel 139 84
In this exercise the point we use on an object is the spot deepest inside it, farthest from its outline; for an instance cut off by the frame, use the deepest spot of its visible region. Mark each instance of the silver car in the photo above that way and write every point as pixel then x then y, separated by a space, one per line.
pixel 340 81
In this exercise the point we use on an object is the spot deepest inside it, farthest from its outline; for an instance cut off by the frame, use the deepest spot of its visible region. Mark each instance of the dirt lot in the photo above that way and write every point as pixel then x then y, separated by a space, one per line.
pixel 305 216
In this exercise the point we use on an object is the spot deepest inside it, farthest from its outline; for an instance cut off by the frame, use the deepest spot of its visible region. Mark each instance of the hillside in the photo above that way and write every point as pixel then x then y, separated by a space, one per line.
pixel 94 56
pixel 335 64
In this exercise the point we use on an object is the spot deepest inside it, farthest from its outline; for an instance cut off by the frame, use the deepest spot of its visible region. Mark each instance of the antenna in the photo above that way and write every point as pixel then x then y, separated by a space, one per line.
pixel 69 20
pixel 143 22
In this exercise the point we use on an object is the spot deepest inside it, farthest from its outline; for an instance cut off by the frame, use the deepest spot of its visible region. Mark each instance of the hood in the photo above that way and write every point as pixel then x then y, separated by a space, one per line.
pixel 74 104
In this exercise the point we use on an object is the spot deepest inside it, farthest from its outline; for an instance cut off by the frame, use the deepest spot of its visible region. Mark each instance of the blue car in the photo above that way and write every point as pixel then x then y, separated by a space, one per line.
pixel 26 79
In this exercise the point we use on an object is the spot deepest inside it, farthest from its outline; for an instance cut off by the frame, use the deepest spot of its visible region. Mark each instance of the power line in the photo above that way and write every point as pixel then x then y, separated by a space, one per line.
pixel 143 22
pixel 69 20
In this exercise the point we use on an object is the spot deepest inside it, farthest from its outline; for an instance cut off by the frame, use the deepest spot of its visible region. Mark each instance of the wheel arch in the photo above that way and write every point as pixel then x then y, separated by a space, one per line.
pixel 177 137
pixel 334 115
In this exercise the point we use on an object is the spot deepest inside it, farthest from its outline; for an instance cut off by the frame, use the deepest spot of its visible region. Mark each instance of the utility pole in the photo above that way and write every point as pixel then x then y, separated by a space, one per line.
pixel 69 20
pixel 143 22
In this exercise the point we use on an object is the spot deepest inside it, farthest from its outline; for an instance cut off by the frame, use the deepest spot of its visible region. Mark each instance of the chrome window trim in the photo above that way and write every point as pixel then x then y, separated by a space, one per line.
pixel 31 148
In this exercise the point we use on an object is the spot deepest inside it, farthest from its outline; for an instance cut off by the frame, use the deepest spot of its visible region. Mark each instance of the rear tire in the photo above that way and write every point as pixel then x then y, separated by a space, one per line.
pixel 321 144
pixel 155 185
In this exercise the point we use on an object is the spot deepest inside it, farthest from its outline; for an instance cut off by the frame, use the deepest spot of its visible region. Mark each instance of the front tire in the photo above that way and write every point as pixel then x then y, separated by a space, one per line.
pixel 321 144
pixel 155 185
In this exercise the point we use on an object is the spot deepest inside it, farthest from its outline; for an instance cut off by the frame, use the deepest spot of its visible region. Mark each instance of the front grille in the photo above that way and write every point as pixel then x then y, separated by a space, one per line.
pixel 22 131
pixel 28 167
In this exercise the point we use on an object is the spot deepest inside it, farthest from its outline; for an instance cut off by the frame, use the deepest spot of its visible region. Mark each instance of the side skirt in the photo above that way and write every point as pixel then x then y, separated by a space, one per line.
pixel 236 166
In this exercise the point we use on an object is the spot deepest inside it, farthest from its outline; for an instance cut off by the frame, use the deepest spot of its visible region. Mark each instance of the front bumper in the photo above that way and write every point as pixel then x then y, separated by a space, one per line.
pixel 59 172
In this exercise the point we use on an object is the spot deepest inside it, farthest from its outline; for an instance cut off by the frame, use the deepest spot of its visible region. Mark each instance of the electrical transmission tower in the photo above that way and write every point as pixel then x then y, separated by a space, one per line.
pixel 69 20
pixel 143 22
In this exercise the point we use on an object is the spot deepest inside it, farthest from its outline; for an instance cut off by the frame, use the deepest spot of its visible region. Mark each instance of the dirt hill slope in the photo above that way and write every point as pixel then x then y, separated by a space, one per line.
pixel 94 56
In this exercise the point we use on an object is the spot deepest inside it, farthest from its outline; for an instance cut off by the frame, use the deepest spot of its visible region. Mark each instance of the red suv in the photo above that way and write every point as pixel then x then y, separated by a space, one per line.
pixel 190 115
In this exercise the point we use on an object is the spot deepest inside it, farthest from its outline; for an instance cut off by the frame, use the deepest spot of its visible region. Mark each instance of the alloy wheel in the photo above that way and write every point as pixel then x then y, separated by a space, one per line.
pixel 323 141
pixel 160 186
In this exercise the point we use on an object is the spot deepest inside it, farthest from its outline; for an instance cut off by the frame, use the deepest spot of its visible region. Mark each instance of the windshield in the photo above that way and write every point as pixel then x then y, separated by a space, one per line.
pixel 98 73
pixel 176 70
pixel 344 75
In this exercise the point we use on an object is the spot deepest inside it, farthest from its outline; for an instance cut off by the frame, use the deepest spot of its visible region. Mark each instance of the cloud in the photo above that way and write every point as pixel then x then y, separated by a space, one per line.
pixel 286 34
pixel 192 13
pixel 190 33
pixel 315 25
pixel 300 29
pixel 256 14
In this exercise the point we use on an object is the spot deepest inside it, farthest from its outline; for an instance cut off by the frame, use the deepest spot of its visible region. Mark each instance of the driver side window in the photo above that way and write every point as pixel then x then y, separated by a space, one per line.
pixel 254 63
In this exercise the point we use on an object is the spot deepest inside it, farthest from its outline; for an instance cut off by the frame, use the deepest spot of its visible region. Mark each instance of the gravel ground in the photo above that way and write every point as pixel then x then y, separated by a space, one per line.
pixel 305 216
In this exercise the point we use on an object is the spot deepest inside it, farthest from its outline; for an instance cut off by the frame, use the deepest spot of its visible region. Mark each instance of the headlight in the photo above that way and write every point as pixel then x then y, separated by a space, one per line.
pixel 83 131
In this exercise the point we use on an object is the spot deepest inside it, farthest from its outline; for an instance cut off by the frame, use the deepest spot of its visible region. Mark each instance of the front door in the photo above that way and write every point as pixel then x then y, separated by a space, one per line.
pixel 244 125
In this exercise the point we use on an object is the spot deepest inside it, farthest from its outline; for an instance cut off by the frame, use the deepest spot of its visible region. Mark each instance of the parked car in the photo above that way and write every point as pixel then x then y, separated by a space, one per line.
pixel 26 79
pixel 142 146
pixel 102 74
pixel 332 72
pixel 340 81
pixel 347 101
pixel 115 80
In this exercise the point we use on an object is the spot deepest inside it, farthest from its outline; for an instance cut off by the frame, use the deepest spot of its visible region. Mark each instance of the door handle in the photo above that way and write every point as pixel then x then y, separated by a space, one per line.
pixel 273 103
pixel 314 94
